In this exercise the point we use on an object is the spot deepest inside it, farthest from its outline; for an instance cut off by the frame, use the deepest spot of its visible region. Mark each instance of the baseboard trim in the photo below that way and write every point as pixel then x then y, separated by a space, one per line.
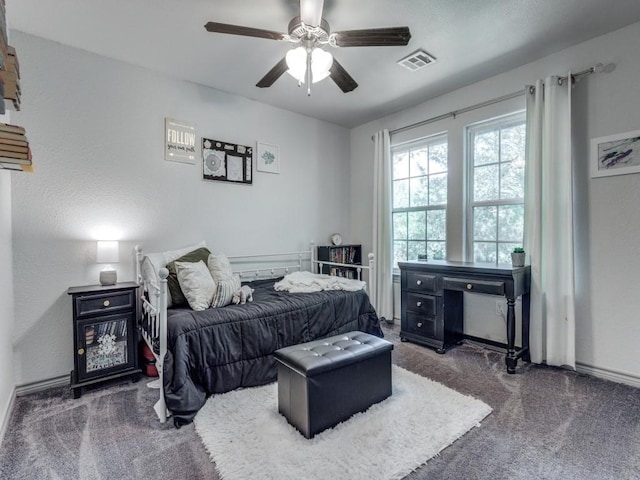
pixel 614 376
pixel 7 415
pixel 42 385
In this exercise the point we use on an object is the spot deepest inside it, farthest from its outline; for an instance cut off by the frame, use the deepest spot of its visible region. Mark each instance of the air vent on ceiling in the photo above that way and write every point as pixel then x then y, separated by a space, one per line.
pixel 417 60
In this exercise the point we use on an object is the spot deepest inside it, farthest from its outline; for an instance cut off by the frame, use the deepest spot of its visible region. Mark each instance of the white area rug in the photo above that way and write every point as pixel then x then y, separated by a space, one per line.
pixel 248 439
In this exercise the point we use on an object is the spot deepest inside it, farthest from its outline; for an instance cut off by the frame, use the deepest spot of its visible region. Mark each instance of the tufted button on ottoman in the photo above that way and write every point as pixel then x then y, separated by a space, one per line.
pixel 324 382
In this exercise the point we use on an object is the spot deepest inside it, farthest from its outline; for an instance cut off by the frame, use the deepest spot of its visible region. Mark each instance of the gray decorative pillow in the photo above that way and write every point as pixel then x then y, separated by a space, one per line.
pixel 178 298
pixel 224 291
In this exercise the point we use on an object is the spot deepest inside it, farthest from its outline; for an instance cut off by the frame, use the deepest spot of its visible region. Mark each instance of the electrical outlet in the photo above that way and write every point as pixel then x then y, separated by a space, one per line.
pixel 500 308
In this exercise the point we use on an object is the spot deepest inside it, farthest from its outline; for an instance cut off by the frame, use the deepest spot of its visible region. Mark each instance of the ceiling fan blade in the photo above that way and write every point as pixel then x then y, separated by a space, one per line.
pixel 311 12
pixel 340 76
pixel 373 37
pixel 274 74
pixel 244 31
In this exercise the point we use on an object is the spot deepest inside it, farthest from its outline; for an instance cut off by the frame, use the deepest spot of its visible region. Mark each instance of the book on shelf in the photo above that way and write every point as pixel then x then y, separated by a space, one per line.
pixel 16 166
pixel 5 127
pixel 7 147
pixel 13 157
pixel 12 136
pixel 10 166
pixel 10 76
pixel 19 161
pixel 12 154
pixel 343 254
pixel 11 85
pixel 23 142
pixel 12 60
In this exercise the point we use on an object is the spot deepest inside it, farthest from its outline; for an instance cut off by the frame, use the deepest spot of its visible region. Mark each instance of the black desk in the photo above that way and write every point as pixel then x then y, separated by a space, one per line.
pixel 432 302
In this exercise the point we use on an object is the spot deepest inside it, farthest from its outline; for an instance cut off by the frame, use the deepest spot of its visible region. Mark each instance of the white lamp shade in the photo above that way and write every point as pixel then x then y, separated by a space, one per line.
pixel 297 62
pixel 321 62
pixel 108 252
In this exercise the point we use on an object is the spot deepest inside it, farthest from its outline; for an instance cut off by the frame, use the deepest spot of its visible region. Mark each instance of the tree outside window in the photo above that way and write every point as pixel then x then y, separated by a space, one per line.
pixel 420 199
pixel 495 155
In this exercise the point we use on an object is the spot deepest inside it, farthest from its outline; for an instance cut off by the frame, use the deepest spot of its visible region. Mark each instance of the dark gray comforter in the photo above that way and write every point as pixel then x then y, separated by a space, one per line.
pixel 220 349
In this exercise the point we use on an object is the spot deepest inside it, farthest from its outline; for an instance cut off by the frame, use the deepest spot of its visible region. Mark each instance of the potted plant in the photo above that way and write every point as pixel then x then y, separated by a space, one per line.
pixel 517 257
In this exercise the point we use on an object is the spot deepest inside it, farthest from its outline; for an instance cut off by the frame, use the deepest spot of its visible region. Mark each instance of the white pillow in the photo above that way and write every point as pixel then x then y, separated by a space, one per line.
pixel 153 262
pixel 219 267
pixel 196 284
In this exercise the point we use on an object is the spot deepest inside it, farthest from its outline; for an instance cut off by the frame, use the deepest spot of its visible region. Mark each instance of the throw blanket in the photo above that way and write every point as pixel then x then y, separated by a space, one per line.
pixel 307 282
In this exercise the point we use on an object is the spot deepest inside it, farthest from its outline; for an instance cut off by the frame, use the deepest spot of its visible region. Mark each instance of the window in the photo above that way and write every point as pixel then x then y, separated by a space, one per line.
pixel 495 155
pixel 420 199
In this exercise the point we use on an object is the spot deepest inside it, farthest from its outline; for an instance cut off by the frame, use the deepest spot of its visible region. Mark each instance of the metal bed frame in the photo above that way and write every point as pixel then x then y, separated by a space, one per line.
pixel 153 320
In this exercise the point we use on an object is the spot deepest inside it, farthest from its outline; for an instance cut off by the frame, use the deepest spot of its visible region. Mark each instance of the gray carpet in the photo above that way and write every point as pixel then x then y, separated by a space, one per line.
pixel 546 424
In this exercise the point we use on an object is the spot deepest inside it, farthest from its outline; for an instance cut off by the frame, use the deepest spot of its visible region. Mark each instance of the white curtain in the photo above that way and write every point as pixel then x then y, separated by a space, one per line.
pixel 382 283
pixel 549 222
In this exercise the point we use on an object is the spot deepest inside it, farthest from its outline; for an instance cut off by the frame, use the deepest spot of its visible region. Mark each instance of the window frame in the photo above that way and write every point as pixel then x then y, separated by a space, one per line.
pixel 416 144
pixel 503 121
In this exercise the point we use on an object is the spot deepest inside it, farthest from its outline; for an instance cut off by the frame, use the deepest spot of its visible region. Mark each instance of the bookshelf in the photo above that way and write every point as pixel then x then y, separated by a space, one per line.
pixel 9 68
pixel 14 146
pixel 343 254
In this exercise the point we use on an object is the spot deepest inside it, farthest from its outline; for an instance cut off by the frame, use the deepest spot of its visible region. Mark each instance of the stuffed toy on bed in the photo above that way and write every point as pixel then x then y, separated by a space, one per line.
pixel 244 295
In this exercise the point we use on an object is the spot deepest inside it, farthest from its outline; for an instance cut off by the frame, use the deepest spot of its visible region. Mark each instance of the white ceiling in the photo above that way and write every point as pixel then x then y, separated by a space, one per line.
pixel 471 39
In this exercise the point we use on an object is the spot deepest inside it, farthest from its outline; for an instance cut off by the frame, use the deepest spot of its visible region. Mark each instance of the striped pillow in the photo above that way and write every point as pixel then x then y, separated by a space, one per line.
pixel 224 291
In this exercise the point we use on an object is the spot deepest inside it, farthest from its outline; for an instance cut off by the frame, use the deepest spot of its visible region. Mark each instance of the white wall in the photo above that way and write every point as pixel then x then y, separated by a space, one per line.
pixel 607 214
pixel 6 299
pixel 96 128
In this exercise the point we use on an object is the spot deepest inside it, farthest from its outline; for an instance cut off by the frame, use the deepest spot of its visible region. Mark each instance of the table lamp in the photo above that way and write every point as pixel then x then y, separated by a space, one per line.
pixel 108 252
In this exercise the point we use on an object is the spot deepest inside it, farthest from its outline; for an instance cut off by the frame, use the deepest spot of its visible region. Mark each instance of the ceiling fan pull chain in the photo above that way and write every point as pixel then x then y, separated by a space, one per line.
pixel 308 72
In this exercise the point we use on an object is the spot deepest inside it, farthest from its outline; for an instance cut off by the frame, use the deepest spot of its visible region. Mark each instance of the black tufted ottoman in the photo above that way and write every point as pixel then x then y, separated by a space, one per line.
pixel 324 382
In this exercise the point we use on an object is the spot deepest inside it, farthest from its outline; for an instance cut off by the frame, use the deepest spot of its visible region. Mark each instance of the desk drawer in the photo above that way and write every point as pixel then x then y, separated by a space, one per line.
pixel 425 304
pixel 421 282
pixel 471 285
pixel 421 325
pixel 105 303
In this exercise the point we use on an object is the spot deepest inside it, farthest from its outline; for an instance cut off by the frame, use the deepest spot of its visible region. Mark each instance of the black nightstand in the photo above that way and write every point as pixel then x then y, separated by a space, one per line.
pixel 105 334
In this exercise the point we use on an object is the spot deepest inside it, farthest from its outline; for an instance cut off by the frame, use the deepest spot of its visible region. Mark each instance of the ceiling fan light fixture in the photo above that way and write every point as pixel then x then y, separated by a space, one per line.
pixel 321 62
pixel 297 62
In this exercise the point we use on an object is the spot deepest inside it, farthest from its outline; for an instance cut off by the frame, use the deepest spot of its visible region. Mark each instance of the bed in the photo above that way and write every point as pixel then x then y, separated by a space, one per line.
pixel 199 353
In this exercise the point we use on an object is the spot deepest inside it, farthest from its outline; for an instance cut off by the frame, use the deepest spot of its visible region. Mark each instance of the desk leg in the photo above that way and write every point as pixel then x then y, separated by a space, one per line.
pixel 511 360
pixel 526 306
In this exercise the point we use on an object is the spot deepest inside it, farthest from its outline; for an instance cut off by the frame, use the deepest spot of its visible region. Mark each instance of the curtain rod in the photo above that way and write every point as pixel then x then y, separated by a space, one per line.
pixel 454 113
pixel 597 68
pixel 594 69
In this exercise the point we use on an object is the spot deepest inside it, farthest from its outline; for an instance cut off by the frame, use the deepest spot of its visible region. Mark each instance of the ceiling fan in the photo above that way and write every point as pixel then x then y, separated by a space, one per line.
pixel 309 32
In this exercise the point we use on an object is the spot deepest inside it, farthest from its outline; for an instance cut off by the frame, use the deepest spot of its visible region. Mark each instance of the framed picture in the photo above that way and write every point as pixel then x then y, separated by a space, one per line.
pixel 615 154
pixel 226 162
pixel 268 158
pixel 179 141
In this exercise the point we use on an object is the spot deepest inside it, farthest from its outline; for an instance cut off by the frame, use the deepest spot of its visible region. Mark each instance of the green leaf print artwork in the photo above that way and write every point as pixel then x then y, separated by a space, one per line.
pixel 268 157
